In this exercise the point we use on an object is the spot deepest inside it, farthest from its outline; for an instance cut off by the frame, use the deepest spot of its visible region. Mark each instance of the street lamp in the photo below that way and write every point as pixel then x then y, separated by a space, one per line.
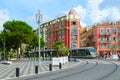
pixel 38 19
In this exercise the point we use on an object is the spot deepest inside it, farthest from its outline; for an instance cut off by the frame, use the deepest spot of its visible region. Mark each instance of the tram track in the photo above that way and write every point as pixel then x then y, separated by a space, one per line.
pixel 81 71
pixel 99 67
pixel 52 73
pixel 111 72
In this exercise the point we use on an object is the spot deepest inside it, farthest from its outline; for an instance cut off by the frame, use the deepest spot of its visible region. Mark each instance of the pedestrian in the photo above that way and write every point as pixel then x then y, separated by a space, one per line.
pixel 19 56
pixel 8 57
pixel 101 55
pixel 118 56
pixel 105 55
pixel 0 58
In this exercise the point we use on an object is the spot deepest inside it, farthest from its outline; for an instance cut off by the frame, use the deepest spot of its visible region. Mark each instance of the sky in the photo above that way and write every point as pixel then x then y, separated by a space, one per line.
pixel 90 11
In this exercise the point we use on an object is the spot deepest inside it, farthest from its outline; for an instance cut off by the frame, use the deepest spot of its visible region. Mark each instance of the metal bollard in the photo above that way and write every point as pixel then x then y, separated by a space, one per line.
pixel 74 59
pixel 50 67
pixel 69 58
pixel 17 72
pixel 60 66
pixel 36 69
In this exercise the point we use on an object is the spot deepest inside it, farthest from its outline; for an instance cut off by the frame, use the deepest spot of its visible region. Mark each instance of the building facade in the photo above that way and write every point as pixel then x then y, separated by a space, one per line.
pixel 65 29
pixel 83 36
pixel 105 37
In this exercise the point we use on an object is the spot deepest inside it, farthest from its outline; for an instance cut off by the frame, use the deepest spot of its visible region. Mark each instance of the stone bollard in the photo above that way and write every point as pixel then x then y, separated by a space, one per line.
pixel 17 72
pixel 50 67
pixel 60 66
pixel 36 69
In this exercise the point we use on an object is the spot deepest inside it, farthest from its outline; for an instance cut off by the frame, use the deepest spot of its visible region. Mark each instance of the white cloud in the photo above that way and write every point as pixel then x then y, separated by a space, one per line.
pixel 81 11
pixel 114 13
pixel 97 15
pixel 93 4
pixel 32 20
pixel 83 24
pixel 93 14
pixel 3 17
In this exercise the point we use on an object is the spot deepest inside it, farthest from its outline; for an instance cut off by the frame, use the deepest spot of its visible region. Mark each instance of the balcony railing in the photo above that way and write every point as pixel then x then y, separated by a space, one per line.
pixel 104 42
pixel 104 34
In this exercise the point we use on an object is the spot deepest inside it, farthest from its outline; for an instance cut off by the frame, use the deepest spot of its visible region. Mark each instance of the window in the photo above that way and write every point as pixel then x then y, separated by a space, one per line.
pixel 63 37
pixel 101 45
pixel 108 30
pixel 114 38
pixel 114 30
pixel 62 23
pixel 101 30
pixel 74 44
pixel 108 39
pixel 74 23
pixel 62 31
pixel 107 45
pixel 57 33
pixel 74 31
pixel 101 39
pixel 57 25
pixel 74 37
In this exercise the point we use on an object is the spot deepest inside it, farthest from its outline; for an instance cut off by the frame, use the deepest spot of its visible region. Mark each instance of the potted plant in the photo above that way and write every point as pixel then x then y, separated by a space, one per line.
pixel 61 51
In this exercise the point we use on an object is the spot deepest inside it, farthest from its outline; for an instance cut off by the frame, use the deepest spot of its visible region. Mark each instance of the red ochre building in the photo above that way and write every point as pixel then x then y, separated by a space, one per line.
pixel 105 37
pixel 65 29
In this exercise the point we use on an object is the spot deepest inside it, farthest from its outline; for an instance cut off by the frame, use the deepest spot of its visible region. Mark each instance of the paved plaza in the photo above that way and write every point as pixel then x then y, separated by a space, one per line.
pixel 27 67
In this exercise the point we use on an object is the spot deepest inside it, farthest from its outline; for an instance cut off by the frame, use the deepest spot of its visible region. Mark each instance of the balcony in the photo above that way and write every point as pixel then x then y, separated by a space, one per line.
pixel 90 35
pixel 104 34
pixel 90 41
pixel 104 42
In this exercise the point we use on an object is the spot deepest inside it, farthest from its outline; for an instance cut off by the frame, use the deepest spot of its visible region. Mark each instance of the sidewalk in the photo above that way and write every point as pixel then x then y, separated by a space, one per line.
pixel 27 67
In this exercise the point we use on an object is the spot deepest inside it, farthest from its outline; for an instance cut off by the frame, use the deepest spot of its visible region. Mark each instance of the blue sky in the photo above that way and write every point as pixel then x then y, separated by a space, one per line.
pixel 90 11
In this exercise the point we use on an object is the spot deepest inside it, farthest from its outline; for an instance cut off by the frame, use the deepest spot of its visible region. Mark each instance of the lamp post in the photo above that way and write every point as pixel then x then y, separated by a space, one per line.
pixel 38 19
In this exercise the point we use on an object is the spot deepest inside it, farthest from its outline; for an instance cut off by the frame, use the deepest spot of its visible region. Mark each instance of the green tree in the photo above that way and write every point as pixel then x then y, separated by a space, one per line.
pixel 63 50
pixel 60 48
pixel 113 48
pixel 17 32
pixel 34 44
pixel 42 43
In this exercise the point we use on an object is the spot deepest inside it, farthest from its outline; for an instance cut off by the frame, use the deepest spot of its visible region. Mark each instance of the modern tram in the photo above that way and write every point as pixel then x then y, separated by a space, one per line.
pixel 83 52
